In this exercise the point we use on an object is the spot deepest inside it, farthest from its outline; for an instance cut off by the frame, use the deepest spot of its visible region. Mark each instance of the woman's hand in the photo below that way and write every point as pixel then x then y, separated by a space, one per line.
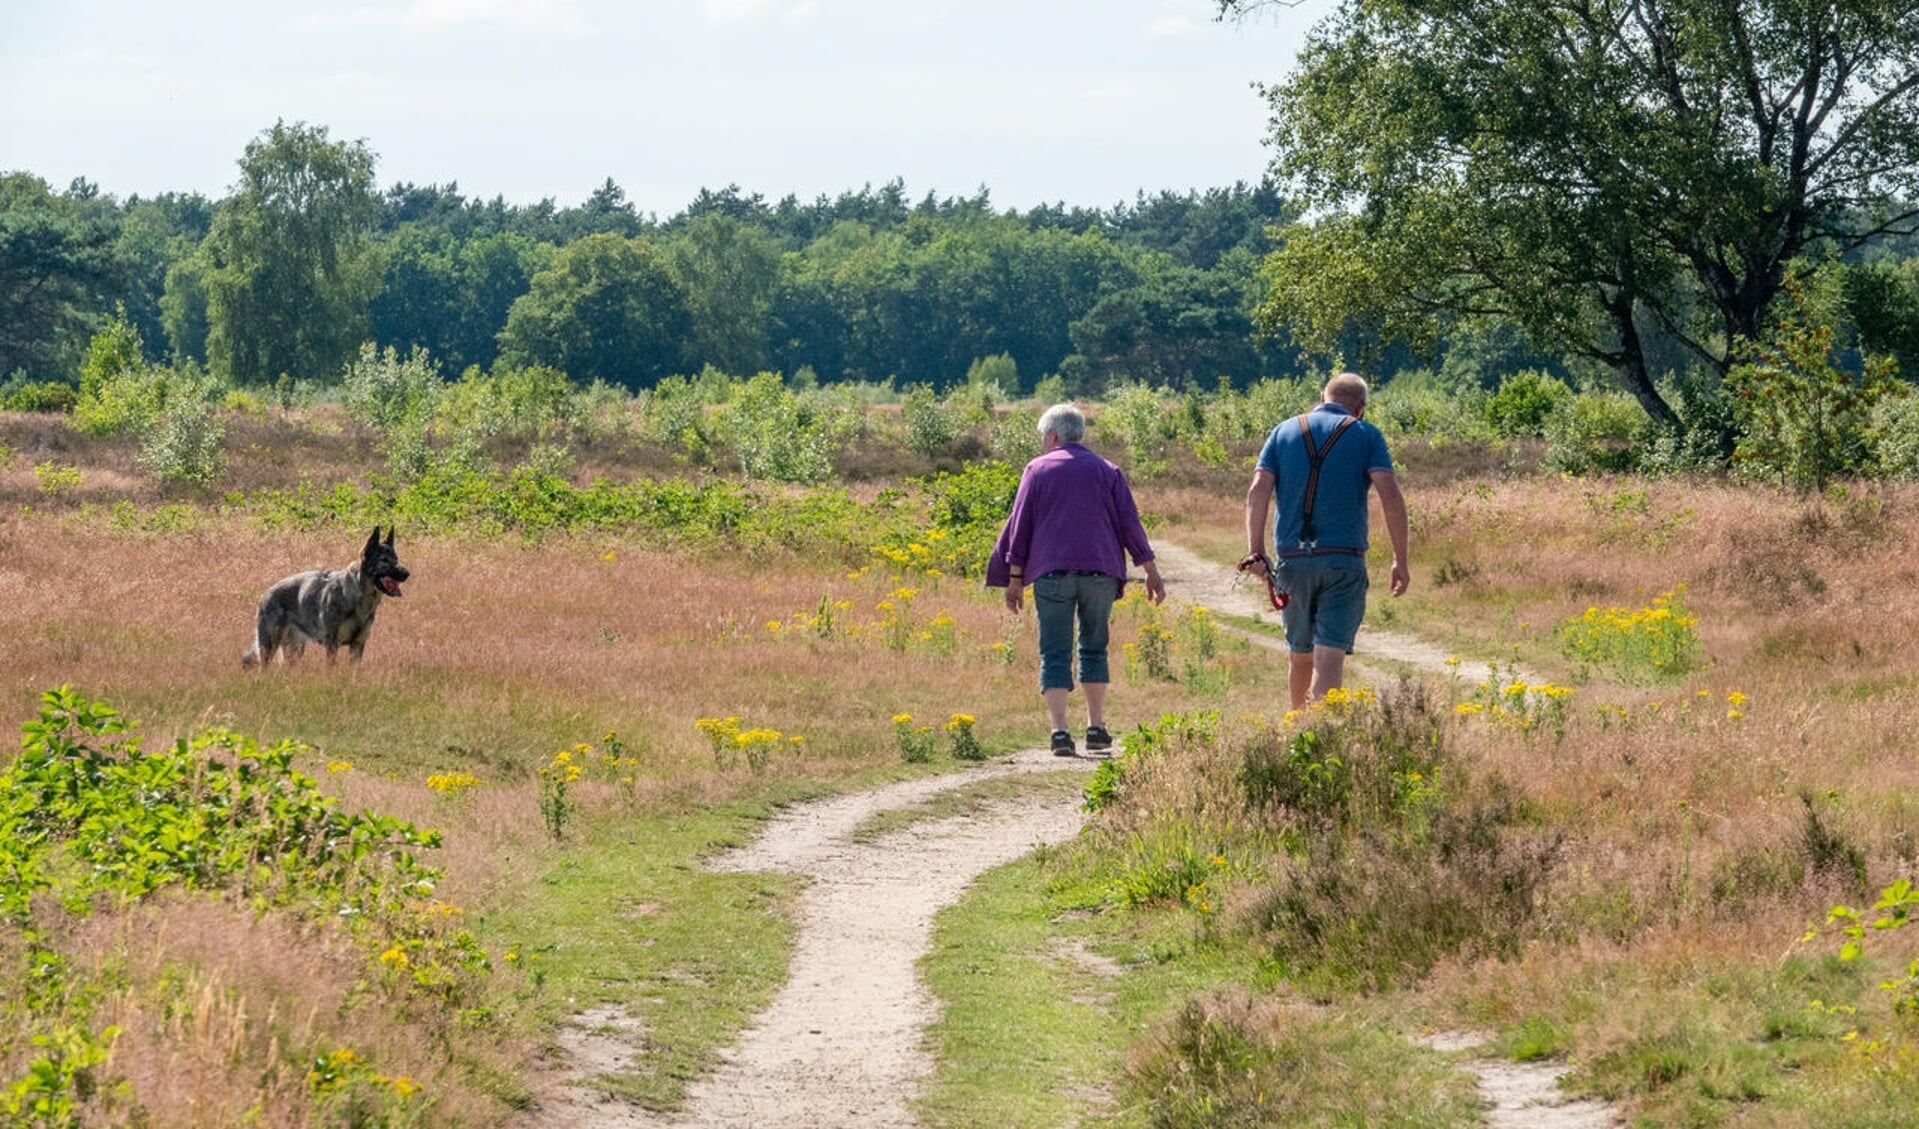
pixel 1015 594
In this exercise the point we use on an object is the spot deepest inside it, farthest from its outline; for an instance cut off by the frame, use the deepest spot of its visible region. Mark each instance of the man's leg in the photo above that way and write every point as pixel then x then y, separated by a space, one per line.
pixel 1300 678
pixel 1328 670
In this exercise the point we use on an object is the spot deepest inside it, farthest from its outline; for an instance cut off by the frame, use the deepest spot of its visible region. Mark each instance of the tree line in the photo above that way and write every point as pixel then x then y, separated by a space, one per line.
pixel 307 259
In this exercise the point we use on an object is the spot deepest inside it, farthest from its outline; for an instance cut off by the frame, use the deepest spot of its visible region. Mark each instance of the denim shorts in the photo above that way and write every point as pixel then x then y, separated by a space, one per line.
pixel 1059 598
pixel 1328 599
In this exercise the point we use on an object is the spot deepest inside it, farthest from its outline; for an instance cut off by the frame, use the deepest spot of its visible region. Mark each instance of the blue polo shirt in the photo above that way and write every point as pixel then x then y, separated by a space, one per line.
pixel 1339 507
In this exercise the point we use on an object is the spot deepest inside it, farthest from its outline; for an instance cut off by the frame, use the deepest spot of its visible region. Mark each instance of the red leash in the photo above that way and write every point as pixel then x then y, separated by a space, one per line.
pixel 1273 591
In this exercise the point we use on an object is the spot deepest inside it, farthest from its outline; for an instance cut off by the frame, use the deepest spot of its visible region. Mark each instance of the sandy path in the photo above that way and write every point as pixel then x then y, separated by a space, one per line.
pixel 1195 580
pixel 841 1044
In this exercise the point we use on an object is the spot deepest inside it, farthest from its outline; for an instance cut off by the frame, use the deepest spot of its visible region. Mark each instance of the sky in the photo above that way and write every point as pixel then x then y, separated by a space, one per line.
pixel 1082 102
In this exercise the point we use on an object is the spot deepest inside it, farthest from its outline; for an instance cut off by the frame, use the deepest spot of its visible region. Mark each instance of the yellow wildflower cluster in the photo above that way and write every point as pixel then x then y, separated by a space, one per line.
pixel 1658 640
pixel 933 555
pixel 1686 713
pixel 915 742
pixel 959 734
pixel 756 744
pixel 338 1069
pixel 1341 701
pixel 1518 704
pixel 452 784
pixel 564 768
pixel 339 766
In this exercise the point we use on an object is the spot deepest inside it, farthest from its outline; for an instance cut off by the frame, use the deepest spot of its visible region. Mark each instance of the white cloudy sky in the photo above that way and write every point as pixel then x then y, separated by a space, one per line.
pixel 1081 101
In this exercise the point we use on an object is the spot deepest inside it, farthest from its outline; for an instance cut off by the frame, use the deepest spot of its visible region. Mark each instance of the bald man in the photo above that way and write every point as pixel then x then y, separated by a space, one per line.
pixel 1315 474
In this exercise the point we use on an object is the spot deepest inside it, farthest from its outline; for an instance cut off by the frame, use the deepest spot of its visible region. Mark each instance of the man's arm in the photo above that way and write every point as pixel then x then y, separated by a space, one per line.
pixel 1259 503
pixel 1393 504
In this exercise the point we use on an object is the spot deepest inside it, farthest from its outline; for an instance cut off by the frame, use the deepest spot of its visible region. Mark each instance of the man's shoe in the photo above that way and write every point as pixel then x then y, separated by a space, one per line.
pixel 1063 744
pixel 1097 739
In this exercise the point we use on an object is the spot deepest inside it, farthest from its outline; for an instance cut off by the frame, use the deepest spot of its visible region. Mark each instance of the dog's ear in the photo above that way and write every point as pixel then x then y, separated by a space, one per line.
pixel 372 542
pixel 389 535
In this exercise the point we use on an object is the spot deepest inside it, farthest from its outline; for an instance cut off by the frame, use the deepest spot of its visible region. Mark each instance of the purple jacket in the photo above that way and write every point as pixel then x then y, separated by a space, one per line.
pixel 1073 511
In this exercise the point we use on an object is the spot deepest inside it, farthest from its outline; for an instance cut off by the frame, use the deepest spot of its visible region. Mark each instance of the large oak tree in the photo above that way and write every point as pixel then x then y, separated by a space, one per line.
pixel 1590 169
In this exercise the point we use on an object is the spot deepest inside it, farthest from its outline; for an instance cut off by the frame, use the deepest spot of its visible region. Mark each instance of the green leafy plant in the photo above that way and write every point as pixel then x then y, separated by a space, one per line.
pixel 961 740
pixel 915 742
pixel 557 777
pixel 1803 419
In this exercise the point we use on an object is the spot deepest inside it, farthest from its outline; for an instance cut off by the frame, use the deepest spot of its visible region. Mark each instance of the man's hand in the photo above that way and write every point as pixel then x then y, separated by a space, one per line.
pixel 1016 594
pixel 1402 576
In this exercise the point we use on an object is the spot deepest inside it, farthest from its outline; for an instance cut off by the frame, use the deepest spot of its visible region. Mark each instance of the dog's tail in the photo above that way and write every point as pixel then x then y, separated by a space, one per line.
pixel 261 652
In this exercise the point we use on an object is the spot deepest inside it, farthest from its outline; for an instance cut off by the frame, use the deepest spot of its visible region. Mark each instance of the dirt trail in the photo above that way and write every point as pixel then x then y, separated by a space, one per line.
pixel 1195 580
pixel 841 1044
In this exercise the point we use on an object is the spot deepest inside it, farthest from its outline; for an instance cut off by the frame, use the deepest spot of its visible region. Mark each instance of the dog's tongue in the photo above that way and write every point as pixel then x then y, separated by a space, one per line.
pixel 390 586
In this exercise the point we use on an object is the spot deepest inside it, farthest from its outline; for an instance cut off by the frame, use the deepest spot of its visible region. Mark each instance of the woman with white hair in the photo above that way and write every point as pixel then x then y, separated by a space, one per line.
pixel 1072 527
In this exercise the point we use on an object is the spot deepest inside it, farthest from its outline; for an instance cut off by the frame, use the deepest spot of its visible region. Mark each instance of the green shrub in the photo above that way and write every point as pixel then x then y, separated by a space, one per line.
pixel 674 415
pixel 48 396
pixel 998 372
pixel 386 391
pixel 930 425
pixel 775 434
pixel 519 402
pixel 1595 432
pixel 183 443
pixel 1524 402
pixel 91 821
pixel 1138 415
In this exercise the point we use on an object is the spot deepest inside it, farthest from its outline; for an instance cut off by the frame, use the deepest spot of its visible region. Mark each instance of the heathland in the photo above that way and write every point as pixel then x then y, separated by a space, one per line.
pixel 638 626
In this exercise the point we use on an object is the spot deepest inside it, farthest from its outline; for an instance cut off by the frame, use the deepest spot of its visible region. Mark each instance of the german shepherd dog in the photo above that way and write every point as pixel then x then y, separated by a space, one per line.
pixel 331 607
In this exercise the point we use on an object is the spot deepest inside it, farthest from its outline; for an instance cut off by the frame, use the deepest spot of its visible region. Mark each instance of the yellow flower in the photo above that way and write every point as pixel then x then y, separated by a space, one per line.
pixel 1468 709
pixel 452 783
pixel 1735 699
pixel 404 1086
pixel 339 766
pixel 773 625
pixel 394 957
pixel 609 555
pixel 902 719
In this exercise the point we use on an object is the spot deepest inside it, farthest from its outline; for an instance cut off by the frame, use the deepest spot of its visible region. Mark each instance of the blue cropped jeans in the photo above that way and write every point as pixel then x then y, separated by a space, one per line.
pixel 1059 598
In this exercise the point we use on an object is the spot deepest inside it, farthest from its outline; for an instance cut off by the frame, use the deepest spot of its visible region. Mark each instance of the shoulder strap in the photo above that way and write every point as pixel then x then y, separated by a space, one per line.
pixel 1315 458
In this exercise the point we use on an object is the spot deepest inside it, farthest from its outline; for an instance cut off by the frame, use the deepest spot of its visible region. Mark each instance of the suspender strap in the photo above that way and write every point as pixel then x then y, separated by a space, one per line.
pixel 1316 458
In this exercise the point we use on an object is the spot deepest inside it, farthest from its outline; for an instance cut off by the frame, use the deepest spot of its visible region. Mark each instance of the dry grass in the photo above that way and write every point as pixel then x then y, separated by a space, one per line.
pixel 498 655
pixel 1693 846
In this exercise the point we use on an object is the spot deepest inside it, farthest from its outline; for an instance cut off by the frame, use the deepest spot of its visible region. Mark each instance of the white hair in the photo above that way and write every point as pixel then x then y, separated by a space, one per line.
pixel 1065 421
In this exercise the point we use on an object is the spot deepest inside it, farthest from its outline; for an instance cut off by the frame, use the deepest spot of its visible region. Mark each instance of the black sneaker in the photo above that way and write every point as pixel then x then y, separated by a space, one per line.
pixel 1097 739
pixel 1063 744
